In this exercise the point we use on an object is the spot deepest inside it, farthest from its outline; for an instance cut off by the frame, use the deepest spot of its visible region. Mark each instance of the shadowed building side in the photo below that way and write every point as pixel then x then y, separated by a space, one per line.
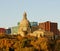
pixel 8 31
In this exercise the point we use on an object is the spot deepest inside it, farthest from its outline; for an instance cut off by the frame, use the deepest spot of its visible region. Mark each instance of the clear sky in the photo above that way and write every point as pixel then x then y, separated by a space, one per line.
pixel 11 11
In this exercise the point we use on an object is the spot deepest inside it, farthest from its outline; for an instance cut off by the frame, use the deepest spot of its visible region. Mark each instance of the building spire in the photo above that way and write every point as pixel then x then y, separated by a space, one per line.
pixel 25 15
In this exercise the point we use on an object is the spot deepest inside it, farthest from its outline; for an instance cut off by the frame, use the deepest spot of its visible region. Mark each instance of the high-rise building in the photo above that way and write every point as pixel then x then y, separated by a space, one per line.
pixel 49 26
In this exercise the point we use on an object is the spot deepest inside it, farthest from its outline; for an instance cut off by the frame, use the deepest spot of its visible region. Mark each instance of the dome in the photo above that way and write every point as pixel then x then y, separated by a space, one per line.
pixel 24 22
pixel 24 27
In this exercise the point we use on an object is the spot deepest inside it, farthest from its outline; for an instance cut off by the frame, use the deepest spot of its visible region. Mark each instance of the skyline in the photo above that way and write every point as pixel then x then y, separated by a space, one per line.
pixel 11 11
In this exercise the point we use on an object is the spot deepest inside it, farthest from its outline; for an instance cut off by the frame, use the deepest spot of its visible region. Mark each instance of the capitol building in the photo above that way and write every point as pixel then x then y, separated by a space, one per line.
pixel 25 29
pixel 24 26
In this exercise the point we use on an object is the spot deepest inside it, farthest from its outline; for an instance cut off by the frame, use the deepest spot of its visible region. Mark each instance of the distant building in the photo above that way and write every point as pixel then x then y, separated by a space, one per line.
pixel 2 31
pixel 14 30
pixel 33 23
pixel 34 28
pixel 8 31
pixel 49 26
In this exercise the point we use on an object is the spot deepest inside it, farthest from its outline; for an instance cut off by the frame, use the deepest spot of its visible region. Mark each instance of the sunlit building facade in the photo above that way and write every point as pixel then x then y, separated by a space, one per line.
pixel 49 26
pixel 14 30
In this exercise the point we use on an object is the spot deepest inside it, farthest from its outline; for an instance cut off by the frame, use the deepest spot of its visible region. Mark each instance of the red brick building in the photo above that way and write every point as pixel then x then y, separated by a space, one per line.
pixel 2 31
pixel 49 26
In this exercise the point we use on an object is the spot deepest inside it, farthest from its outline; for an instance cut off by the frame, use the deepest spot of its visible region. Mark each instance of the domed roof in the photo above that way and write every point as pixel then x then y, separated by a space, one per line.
pixel 24 21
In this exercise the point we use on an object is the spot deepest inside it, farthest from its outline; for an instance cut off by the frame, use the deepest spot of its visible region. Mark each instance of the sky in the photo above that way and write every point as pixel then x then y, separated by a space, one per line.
pixel 11 11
